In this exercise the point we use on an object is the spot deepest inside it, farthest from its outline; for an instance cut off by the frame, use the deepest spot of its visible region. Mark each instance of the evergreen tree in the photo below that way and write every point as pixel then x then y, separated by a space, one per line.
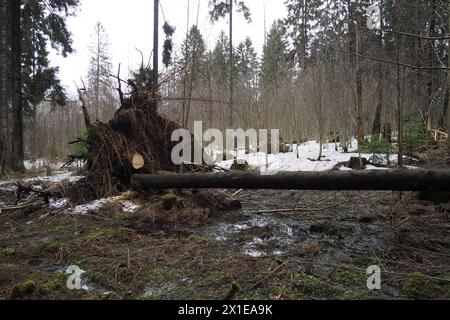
pixel 247 64
pixel 194 54
pixel 276 61
pixel 43 26
pixel 32 27
pixel 302 19
pixel 221 59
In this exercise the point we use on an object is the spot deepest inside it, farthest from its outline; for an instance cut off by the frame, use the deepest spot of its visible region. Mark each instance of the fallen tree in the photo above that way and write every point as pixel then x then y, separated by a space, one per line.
pixel 136 129
pixel 383 180
pixel 138 140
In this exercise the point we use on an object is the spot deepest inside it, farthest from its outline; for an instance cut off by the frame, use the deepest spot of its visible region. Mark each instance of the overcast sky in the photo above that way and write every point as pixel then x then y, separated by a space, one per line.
pixel 129 24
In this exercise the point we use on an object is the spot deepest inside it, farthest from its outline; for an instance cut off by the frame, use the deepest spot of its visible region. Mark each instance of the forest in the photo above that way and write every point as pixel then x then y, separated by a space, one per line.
pixel 313 167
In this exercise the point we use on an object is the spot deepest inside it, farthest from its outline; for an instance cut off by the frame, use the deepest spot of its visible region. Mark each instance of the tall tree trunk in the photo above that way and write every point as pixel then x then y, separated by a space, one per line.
pixel 376 129
pixel 398 87
pixel 17 147
pixel 359 89
pixel 448 106
pixel 97 77
pixel 3 97
pixel 156 49
pixel 231 60
pixel 430 57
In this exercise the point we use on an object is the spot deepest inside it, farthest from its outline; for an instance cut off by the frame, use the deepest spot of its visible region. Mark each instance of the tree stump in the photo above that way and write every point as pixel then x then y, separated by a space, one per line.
pixel 357 163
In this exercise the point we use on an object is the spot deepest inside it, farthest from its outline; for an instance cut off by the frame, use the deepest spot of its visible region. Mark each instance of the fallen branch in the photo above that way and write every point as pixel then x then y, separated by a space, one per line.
pixel 21 190
pixel 311 209
pixel 87 119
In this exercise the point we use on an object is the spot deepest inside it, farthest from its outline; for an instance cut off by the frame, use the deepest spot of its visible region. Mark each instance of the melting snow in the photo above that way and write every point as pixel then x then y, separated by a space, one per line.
pixel 85 208
pixel 59 177
pixel 305 160
pixel 254 253
pixel 41 164
pixel 130 207
pixel 58 203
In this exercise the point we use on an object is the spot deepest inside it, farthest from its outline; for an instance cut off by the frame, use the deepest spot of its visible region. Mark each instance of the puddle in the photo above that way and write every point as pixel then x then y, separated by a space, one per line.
pixel 275 234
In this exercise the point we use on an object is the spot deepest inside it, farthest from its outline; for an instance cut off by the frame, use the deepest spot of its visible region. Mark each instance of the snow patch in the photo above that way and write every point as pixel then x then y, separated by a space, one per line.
pixel 58 203
pixel 85 208
pixel 306 159
pixel 130 207
pixel 59 177
pixel 41 164
pixel 254 253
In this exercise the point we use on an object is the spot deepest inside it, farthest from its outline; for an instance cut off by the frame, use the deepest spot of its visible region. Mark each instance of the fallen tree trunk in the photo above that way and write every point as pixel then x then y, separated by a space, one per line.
pixel 396 180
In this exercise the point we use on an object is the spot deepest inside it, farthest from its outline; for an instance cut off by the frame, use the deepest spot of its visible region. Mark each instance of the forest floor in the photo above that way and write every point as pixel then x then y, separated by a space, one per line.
pixel 281 245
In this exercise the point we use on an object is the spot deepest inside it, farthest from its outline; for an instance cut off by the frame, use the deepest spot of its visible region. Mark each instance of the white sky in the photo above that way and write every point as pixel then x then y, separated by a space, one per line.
pixel 129 25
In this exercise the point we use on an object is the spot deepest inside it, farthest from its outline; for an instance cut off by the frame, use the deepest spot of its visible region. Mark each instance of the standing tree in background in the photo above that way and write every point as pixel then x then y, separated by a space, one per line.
pixel 448 88
pixel 100 84
pixel 3 76
pixel 15 36
pixel 193 59
pixel 301 20
pixel 31 28
pixel 275 67
pixel 220 8
pixel 247 63
pixel 276 62
pixel 221 59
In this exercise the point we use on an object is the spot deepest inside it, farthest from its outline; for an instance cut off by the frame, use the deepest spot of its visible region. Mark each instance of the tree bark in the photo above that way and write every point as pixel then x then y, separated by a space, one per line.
pixel 231 61
pixel 376 130
pixel 399 88
pixel 431 59
pixel 359 89
pixel 3 97
pixel 448 106
pixel 17 146
pixel 396 180
pixel 156 48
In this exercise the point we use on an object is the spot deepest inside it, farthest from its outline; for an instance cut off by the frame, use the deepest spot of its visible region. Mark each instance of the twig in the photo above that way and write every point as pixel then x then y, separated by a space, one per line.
pixel 309 209
pixel 269 275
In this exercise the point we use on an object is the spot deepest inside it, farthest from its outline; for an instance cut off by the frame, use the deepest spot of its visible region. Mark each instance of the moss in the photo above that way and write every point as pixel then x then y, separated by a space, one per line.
pixel 309 286
pixel 94 235
pixel 162 273
pixel 9 252
pixel 9 267
pixel 233 291
pixel 349 279
pixel 236 166
pixel 52 285
pixel 354 295
pixel 168 201
pixel 199 239
pixel 417 286
pixel 24 289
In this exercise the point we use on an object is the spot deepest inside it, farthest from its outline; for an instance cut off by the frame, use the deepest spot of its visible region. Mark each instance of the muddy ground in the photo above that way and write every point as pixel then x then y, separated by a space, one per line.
pixel 281 245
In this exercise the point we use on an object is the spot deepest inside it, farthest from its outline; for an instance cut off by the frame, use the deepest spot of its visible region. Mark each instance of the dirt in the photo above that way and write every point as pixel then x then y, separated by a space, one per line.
pixel 133 248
